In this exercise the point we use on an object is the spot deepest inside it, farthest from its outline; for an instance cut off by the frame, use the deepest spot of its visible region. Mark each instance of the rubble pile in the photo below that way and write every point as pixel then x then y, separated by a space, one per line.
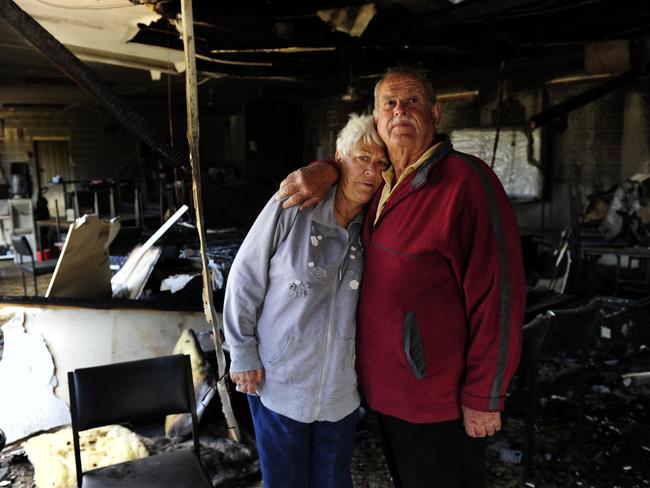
pixel 227 463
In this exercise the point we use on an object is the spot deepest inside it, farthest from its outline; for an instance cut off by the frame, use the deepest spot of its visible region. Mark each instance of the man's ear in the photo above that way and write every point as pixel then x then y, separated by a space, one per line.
pixel 338 156
pixel 435 112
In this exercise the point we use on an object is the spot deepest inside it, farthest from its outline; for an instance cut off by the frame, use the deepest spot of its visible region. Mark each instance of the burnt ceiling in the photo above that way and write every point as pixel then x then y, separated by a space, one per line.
pixel 308 40
pixel 276 49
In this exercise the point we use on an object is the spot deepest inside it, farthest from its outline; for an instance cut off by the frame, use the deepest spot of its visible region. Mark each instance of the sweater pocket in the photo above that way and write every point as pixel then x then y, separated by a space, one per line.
pixel 296 362
pixel 279 355
pixel 413 347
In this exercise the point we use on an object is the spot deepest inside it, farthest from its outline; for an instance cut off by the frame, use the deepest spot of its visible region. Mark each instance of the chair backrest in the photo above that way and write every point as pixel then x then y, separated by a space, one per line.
pixel 533 336
pixel 21 245
pixel 138 391
pixel 571 328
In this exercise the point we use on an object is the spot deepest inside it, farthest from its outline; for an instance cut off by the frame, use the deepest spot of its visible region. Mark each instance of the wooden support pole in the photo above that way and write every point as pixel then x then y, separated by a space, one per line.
pixel 191 97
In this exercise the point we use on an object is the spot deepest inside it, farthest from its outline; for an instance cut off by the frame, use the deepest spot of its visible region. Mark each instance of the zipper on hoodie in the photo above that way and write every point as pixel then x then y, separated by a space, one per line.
pixel 330 331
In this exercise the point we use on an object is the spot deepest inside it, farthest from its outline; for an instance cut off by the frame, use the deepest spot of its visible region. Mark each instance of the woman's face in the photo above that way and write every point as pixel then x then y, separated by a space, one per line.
pixel 361 171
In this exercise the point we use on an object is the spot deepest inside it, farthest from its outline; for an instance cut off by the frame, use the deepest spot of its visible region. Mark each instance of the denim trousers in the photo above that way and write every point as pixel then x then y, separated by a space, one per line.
pixel 303 455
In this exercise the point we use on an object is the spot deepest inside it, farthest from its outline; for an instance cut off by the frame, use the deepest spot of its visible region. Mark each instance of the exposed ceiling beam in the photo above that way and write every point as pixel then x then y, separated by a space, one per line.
pixel 456 14
pixel 582 99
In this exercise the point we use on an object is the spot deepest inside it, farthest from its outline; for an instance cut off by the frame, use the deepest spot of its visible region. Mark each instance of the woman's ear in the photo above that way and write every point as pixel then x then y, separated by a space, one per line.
pixel 338 156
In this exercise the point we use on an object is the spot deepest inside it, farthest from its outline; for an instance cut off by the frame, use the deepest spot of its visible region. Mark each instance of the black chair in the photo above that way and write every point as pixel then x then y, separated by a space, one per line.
pixel 546 338
pixel 22 248
pixel 140 392
pixel 571 328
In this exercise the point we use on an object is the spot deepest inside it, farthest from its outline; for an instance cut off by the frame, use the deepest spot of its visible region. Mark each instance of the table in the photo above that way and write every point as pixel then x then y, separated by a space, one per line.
pixel 642 254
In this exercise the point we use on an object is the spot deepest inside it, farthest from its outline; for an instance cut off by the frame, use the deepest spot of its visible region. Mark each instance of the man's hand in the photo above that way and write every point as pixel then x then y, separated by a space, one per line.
pixel 481 424
pixel 247 381
pixel 307 186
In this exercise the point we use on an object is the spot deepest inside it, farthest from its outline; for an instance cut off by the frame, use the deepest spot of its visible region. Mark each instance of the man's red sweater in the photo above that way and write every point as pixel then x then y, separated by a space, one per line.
pixel 443 293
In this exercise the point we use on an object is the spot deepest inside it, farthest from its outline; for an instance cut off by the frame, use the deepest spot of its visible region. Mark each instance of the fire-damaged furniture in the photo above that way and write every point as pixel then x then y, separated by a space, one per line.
pixel 550 336
pixel 637 254
pixel 138 392
pixel 23 249
pixel 571 327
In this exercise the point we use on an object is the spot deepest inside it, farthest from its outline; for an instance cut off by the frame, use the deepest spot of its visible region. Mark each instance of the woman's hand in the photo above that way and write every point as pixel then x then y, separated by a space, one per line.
pixel 247 381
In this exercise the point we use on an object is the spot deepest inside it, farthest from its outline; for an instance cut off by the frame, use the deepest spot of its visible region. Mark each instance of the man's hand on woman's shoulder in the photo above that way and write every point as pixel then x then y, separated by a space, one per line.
pixel 307 185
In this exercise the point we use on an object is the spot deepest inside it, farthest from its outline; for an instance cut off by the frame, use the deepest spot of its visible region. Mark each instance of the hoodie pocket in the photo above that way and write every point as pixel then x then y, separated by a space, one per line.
pixel 413 347
pixel 296 362
pixel 281 354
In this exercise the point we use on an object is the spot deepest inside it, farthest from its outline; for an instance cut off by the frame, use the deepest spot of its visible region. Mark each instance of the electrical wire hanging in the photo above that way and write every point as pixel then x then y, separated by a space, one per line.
pixel 499 116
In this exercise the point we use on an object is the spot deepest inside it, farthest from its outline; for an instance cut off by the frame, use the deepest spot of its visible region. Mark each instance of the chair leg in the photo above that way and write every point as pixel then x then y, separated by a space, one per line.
pixel 531 411
pixel 22 273
pixel 579 420
pixel 34 275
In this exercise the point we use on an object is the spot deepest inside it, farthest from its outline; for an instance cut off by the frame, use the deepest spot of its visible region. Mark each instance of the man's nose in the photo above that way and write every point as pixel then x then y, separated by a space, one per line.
pixel 400 108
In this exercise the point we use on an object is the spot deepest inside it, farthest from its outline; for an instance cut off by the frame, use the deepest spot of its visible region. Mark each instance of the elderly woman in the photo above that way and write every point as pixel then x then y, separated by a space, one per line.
pixel 289 317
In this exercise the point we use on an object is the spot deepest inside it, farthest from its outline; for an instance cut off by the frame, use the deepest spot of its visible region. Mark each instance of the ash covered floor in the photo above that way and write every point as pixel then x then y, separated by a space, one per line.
pixel 11 283
pixel 611 450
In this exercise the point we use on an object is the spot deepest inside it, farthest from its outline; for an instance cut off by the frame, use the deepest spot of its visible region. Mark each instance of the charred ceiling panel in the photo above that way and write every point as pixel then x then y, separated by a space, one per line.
pixel 351 20
pixel 101 31
pixel 272 48
pixel 321 42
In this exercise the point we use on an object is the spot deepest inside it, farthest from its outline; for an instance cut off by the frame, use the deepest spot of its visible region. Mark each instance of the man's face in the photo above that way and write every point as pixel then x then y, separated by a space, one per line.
pixel 404 116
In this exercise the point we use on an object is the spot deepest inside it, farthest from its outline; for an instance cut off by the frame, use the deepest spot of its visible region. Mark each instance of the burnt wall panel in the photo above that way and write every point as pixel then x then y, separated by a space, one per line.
pixel 98 148
pixel 322 120
pixel 635 151
pixel 598 145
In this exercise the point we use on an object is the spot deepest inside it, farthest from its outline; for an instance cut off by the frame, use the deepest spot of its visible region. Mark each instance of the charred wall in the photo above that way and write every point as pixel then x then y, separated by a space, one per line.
pixel 98 146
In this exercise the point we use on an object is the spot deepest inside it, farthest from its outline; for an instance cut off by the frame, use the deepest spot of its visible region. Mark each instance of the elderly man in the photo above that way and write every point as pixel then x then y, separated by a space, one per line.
pixel 442 296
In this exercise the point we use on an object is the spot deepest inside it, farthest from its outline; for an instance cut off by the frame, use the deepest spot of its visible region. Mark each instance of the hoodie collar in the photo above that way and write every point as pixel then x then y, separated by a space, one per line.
pixel 324 211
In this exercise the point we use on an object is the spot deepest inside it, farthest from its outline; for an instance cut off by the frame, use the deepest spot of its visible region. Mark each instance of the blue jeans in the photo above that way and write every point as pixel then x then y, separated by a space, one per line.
pixel 296 454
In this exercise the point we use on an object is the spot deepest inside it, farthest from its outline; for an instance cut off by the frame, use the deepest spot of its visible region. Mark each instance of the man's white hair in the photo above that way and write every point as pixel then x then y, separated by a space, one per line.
pixel 358 128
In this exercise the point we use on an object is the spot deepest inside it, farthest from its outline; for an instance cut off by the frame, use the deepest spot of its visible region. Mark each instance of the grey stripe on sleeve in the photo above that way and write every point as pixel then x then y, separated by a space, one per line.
pixel 504 280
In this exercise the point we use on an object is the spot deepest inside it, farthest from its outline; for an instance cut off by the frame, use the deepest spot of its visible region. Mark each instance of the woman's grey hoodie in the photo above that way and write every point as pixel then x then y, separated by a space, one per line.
pixel 290 308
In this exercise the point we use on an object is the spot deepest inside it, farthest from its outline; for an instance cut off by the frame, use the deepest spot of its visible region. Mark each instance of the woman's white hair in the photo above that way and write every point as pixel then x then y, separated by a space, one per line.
pixel 358 128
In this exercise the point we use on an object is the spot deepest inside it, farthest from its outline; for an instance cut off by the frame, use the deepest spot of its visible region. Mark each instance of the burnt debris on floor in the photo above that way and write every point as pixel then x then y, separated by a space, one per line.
pixel 228 464
pixel 598 437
